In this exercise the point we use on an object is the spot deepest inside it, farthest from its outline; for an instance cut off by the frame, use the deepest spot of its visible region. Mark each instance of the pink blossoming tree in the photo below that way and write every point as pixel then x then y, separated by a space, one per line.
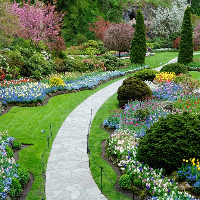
pixel 118 37
pixel 40 22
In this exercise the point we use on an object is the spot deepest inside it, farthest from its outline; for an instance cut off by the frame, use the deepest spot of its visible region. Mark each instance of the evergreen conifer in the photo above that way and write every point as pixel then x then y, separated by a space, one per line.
pixel 186 44
pixel 138 43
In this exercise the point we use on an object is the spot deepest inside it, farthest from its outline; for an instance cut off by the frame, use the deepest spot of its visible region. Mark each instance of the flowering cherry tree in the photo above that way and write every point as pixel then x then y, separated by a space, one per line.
pixel 169 20
pixel 118 37
pixel 40 22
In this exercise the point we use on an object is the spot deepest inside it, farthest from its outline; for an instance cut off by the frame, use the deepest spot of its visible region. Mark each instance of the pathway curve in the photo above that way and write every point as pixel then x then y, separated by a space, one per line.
pixel 171 61
pixel 68 175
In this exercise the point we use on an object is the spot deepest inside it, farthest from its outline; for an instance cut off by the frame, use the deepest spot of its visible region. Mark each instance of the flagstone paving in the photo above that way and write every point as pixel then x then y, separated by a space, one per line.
pixel 68 175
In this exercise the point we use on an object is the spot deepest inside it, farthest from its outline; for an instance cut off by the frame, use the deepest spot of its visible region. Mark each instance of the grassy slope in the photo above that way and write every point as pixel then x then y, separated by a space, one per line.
pixel 160 59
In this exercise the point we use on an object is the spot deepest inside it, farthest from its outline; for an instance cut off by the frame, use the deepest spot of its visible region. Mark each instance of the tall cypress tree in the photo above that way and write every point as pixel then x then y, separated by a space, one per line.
pixel 138 43
pixel 186 44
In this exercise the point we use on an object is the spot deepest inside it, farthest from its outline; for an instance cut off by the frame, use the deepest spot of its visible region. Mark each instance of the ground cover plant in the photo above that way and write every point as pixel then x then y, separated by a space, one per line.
pixel 13 176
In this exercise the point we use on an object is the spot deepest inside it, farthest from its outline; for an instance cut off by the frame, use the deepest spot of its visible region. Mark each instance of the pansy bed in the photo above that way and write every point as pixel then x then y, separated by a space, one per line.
pixel 138 121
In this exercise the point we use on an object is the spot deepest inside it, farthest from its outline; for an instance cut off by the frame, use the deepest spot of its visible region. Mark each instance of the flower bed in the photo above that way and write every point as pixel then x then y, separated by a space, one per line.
pixel 8 167
pixel 37 91
pixel 122 145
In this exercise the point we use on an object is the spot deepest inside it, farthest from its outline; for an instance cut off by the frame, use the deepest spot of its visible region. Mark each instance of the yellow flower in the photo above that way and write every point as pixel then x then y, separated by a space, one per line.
pixel 183 160
pixel 193 163
pixel 199 168
pixel 186 160
pixel 193 160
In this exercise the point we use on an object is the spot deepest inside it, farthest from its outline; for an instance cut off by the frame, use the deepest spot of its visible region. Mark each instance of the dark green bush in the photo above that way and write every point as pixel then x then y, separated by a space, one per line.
pixel 142 113
pixel 15 188
pixel 16 144
pixel 9 152
pixel 138 43
pixel 132 88
pixel 145 74
pixel 111 62
pixel 23 175
pixel 125 182
pixel 177 68
pixel 170 140
pixel 186 46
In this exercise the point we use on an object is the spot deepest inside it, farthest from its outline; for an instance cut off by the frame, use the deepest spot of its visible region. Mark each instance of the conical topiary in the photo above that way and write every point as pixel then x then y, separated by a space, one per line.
pixel 138 43
pixel 186 44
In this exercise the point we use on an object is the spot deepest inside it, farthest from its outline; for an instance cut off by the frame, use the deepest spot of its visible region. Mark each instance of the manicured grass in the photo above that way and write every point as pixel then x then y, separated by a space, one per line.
pixel 195 75
pixel 26 124
pixel 97 135
pixel 197 56
pixel 160 59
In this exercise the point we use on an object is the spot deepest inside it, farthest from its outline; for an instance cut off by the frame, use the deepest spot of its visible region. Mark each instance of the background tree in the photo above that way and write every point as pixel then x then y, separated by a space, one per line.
pixel 138 44
pixel 9 23
pixel 118 37
pixel 195 7
pixel 196 36
pixel 168 21
pixel 40 23
pixel 186 44
pixel 99 27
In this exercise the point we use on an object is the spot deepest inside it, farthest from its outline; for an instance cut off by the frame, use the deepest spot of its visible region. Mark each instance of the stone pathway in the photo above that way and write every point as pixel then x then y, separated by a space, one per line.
pixel 68 175
pixel 171 61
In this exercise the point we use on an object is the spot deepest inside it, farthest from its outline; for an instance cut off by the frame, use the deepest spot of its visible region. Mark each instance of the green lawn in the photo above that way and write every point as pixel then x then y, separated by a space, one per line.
pixel 160 59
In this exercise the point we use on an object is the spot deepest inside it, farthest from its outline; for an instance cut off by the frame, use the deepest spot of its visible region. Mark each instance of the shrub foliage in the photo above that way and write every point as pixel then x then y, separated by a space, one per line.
pixel 177 68
pixel 186 44
pixel 145 74
pixel 138 44
pixel 132 88
pixel 170 140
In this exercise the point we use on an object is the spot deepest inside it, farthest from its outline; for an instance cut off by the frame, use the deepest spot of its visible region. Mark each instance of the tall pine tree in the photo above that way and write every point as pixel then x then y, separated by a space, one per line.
pixel 186 44
pixel 138 43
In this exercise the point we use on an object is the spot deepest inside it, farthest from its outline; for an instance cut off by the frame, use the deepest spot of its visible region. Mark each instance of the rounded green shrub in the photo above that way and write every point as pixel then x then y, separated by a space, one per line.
pixel 132 89
pixel 16 144
pixel 23 175
pixel 142 113
pixel 56 81
pixel 170 140
pixel 177 68
pixel 145 74
pixel 111 62
pixel 15 188
pixel 125 182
